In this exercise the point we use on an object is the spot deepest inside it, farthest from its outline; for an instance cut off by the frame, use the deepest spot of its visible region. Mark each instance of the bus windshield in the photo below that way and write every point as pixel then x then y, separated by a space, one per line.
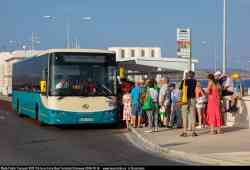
pixel 82 76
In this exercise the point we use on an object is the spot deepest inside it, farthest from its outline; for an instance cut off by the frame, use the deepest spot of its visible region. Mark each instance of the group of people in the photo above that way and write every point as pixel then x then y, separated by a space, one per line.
pixel 161 104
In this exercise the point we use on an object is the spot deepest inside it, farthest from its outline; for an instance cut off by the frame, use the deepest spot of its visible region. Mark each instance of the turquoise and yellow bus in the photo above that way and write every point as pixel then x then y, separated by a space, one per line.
pixel 67 86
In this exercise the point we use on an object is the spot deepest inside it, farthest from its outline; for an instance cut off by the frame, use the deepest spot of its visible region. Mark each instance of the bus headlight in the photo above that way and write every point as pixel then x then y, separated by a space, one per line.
pixel 112 101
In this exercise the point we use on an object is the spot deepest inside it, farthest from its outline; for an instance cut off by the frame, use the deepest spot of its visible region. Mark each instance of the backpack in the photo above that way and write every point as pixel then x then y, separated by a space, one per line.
pixel 167 97
pixel 143 95
pixel 148 104
pixel 184 98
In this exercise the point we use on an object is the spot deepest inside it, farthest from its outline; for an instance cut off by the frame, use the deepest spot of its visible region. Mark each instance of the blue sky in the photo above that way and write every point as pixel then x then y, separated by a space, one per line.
pixel 131 23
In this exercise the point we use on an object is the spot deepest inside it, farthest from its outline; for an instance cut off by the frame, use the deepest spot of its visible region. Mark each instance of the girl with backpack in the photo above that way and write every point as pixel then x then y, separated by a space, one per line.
pixel 150 106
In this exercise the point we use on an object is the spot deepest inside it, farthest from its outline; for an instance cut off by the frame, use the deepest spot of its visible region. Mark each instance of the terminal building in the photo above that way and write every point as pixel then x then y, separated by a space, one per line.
pixel 6 61
pixel 141 62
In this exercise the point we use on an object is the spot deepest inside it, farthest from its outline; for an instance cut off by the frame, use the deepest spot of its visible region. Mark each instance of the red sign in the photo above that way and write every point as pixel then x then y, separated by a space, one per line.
pixel 183 42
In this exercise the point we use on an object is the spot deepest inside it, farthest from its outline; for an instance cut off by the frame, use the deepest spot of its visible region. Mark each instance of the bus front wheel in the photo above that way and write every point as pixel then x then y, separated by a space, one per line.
pixel 37 116
pixel 18 109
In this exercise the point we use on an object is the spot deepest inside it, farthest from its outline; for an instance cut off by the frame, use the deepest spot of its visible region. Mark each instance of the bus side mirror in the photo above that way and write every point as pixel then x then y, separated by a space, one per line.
pixel 122 72
pixel 43 82
pixel 44 74
pixel 43 86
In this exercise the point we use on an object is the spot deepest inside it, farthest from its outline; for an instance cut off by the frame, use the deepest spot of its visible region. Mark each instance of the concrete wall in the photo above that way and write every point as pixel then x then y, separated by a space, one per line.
pixel 7 84
pixel 6 68
pixel 137 52
pixel 241 118
pixel 3 56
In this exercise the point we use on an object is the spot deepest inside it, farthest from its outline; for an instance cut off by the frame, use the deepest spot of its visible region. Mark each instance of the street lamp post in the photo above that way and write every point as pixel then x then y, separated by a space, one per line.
pixel 215 58
pixel 12 43
pixel 248 62
pixel 75 41
pixel 68 32
pixel 190 58
pixel 34 40
pixel 212 53
pixel 86 18
pixel 225 36
pixel 68 27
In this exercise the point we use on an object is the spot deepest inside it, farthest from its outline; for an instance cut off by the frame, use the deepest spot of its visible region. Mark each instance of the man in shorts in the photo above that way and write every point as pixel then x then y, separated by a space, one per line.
pixel 136 105
pixel 228 90
pixel 188 109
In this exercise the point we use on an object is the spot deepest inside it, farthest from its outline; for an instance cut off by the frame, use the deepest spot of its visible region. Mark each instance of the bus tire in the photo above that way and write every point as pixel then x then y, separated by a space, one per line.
pixel 117 124
pixel 18 108
pixel 37 116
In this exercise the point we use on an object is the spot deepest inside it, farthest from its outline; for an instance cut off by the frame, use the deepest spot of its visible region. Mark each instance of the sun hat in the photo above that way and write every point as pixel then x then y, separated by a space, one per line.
pixel 217 73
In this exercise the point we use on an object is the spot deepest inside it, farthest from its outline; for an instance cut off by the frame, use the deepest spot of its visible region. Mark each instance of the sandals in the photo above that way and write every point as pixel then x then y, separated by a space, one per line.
pixel 220 132
pixel 213 133
pixel 216 132
pixel 156 130
pixel 184 134
pixel 194 134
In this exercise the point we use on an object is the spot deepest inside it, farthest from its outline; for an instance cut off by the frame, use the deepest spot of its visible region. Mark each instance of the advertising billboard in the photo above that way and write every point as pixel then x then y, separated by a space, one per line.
pixel 184 42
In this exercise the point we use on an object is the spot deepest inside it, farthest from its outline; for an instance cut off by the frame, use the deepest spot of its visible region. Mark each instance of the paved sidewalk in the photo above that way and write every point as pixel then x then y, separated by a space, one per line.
pixel 230 148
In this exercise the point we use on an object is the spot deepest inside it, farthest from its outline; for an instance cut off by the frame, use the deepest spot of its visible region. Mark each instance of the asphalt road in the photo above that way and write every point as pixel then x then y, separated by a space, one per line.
pixel 23 142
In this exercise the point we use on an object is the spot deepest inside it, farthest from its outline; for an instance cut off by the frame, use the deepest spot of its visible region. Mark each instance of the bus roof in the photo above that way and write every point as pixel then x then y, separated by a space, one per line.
pixel 75 50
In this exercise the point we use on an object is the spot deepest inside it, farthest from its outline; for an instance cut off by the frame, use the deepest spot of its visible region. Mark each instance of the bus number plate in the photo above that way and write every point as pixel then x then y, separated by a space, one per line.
pixel 86 119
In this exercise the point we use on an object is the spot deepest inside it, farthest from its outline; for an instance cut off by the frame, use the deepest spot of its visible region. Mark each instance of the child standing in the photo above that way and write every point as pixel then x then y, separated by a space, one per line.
pixel 200 103
pixel 126 100
pixel 175 107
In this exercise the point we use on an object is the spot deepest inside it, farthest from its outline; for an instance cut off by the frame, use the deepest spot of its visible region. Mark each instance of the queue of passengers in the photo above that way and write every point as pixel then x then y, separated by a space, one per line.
pixel 153 105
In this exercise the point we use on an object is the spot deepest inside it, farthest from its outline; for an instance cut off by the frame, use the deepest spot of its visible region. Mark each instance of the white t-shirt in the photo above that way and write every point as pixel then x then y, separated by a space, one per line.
pixel 59 85
pixel 164 90
pixel 175 95
pixel 229 83
pixel 154 94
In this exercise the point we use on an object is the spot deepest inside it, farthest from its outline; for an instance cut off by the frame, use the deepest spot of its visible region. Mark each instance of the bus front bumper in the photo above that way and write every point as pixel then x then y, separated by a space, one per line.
pixel 104 117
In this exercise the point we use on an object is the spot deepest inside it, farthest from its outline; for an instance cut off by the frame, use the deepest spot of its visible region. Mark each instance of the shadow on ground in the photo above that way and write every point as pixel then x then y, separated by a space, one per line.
pixel 91 126
pixel 173 144
pixel 225 129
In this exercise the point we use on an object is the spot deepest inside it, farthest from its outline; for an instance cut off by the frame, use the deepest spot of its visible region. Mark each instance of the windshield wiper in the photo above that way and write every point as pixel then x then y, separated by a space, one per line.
pixel 107 89
pixel 104 91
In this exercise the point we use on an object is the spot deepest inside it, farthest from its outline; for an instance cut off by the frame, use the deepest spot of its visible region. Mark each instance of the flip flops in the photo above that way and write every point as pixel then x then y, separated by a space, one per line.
pixel 184 134
pixel 194 134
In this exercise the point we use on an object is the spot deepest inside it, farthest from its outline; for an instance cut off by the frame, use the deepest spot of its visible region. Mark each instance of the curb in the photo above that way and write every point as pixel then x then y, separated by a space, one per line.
pixel 183 156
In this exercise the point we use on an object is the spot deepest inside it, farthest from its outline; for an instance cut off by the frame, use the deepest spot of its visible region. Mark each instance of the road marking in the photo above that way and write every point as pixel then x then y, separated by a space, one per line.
pixel 2 117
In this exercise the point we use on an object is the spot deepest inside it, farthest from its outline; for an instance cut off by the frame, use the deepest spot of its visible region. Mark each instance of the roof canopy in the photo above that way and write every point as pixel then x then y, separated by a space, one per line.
pixel 149 65
pixel 75 50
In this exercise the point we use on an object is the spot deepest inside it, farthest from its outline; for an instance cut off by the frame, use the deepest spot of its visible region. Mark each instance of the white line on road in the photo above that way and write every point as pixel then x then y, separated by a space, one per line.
pixel 2 117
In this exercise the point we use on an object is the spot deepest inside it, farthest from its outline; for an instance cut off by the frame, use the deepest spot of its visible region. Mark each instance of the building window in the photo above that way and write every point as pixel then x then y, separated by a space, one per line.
pixel 152 53
pixel 122 53
pixel 132 53
pixel 143 53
